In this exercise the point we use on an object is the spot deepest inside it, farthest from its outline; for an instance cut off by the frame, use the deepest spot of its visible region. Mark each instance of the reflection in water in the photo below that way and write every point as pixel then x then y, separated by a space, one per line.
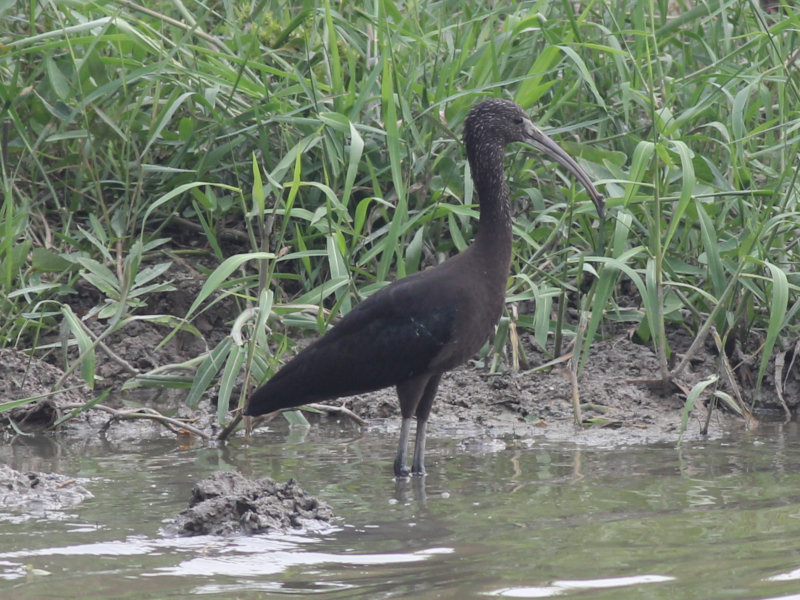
pixel 526 519
pixel 403 490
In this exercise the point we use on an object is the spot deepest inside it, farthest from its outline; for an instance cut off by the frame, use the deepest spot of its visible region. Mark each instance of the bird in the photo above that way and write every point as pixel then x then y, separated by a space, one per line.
pixel 411 332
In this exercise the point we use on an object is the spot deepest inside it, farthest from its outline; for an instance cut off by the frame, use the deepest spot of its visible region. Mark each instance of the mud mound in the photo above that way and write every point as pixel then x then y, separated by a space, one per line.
pixel 227 503
pixel 22 376
pixel 32 492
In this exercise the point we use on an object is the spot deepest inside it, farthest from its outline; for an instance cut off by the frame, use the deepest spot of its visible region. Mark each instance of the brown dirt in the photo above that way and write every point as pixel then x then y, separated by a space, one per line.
pixel 531 403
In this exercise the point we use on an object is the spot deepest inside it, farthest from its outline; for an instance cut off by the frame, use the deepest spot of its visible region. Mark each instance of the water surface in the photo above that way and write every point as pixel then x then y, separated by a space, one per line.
pixel 523 519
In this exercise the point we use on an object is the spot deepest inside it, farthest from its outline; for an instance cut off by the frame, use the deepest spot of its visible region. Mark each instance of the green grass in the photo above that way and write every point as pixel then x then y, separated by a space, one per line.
pixel 331 130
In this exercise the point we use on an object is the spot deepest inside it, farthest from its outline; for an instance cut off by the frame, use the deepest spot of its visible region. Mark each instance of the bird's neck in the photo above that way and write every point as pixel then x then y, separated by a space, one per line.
pixel 494 237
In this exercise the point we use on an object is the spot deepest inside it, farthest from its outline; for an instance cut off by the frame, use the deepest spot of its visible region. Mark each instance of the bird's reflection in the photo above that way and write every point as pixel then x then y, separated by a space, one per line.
pixel 411 488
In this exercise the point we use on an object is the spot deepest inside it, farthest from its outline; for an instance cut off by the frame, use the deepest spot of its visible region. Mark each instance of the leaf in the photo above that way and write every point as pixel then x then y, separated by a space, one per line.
pixel 738 128
pixel 100 270
pixel 691 399
pixel 47 261
pixel 206 200
pixel 730 402
pixel 711 245
pixel 150 273
pixel 19 255
pixel 264 309
pixel 151 289
pixel 777 312
pixel 258 190
pixel 110 291
pixel 296 417
pixel 232 367
pixel 11 405
pixel 605 287
pixel 221 273
pixel 641 159
pixel 164 119
pixel 205 373
pixel 177 192
pixel 321 292
pixel 338 270
pixel 651 281
pixel 414 251
pixel 166 320
pixel 333 57
pixel 531 88
pixel 356 149
pixel 171 382
pixel 687 166
pixel 587 77
pixel 34 289
pixel 57 80
pixel 85 345
pixel 650 308
pixel 395 161
pixel 293 24
pixel 455 233
pixel 593 153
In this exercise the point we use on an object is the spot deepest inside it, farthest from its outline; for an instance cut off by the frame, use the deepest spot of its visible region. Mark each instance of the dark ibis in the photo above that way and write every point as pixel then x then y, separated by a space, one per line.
pixel 412 331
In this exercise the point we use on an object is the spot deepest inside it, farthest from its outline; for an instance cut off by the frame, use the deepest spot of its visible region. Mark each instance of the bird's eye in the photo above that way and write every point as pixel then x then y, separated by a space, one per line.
pixel 518 120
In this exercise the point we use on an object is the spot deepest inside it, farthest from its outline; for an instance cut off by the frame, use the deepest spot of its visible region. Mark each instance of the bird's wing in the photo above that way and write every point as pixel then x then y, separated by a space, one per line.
pixel 390 337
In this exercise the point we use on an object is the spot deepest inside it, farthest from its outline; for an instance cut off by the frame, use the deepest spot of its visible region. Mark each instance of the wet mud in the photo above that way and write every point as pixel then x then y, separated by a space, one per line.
pixel 618 405
pixel 23 376
pixel 227 503
pixel 38 495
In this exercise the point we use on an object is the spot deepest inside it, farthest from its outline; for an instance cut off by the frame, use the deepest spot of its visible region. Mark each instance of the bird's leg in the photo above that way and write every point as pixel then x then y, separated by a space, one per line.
pixel 423 411
pixel 400 467
pixel 409 394
pixel 418 466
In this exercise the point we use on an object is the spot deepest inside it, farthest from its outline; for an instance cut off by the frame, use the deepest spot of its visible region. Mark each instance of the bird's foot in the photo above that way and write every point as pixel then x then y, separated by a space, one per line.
pixel 401 470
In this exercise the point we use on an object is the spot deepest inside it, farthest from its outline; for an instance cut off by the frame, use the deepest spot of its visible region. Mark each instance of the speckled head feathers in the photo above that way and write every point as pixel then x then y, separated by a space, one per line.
pixel 496 121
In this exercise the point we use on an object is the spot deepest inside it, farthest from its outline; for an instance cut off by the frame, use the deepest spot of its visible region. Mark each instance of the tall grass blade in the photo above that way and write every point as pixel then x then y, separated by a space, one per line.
pixel 691 400
pixel 233 366
pixel 207 370
pixel 85 345
pixel 778 305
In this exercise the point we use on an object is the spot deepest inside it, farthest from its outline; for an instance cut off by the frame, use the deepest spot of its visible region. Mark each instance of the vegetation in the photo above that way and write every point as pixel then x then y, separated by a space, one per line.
pixel 314 148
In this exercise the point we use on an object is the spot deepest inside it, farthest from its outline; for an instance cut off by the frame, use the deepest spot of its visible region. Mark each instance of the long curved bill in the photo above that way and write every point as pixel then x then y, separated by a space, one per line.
pixel 549 147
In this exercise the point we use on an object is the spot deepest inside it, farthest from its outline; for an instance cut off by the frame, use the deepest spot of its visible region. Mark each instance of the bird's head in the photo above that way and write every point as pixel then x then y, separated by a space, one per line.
pixel 494 123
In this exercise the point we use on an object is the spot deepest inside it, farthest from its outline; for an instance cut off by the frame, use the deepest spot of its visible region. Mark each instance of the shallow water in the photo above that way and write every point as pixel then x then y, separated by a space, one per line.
pixel 718 519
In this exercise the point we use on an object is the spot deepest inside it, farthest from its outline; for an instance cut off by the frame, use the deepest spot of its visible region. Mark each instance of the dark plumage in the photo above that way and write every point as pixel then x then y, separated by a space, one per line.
pixel 412 331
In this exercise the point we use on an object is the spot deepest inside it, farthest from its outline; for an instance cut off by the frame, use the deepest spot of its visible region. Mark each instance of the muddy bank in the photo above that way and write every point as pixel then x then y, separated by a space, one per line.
pixel 472 403
pixel 619 407
pixel 227 503
pixel 39 494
